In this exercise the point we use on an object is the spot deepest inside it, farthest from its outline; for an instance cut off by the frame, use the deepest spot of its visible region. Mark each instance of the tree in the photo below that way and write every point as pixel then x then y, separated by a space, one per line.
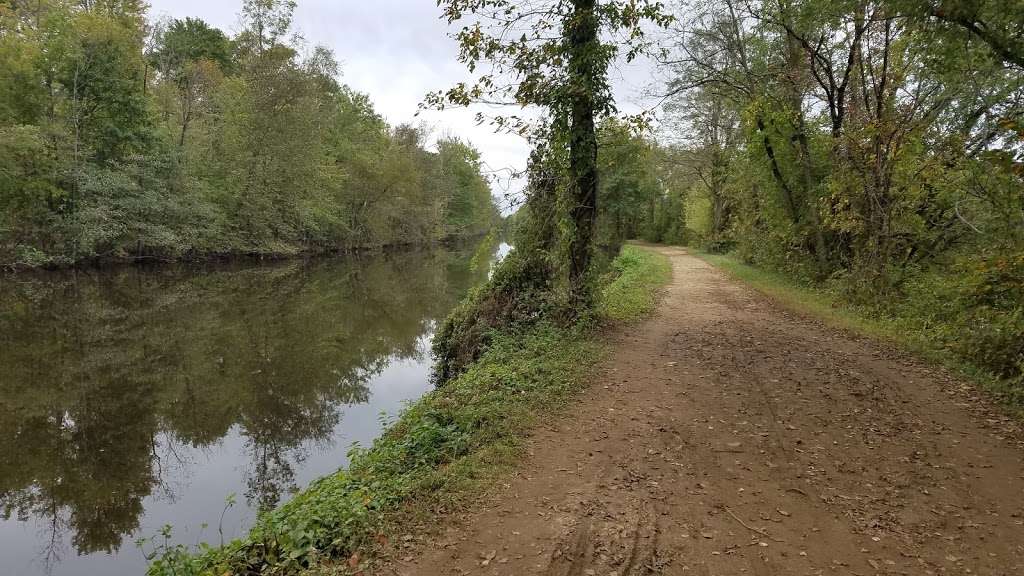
pixel 551 54
pixel 996 23
pixel 629 192
pixel 102 84
pixel 880 147
pixel 127 139
pixel 267 24
pixel 193 56
pixel 469 207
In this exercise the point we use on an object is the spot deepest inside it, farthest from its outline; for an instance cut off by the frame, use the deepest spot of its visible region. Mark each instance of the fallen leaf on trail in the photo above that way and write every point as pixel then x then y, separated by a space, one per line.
pixel 707 535
pixel 783 512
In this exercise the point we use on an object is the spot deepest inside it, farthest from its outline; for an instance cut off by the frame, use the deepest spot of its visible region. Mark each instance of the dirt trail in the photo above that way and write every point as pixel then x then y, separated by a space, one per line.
pixel 726 436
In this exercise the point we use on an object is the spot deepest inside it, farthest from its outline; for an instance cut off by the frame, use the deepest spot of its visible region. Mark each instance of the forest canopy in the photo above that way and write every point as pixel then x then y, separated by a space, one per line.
pixel 122 137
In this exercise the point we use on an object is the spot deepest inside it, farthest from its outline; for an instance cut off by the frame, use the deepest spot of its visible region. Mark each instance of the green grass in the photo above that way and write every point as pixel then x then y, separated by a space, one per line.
pixel 911 330
pixel 441 451
pixel 628 296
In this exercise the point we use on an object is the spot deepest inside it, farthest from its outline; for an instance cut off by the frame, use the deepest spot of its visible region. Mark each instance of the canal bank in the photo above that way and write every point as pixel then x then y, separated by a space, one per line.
pixel 444 449
pixel 137 397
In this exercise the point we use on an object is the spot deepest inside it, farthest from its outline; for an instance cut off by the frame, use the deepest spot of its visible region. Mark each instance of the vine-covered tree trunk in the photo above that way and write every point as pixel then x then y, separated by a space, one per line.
pixel 584 74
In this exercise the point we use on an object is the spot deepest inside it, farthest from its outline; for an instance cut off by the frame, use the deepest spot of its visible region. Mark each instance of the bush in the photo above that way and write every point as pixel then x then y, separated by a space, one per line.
pixel 517 295
pixel 992 326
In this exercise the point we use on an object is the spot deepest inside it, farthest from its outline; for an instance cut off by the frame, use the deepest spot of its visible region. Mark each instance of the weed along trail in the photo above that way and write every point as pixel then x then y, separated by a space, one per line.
pixel 726 436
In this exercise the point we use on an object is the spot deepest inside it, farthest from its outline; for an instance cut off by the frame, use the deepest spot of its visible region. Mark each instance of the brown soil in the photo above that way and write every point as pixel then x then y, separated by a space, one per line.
pixel 726 436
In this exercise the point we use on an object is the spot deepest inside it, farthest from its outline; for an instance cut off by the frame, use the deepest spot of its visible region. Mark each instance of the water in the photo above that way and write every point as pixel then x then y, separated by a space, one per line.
pixel 137 398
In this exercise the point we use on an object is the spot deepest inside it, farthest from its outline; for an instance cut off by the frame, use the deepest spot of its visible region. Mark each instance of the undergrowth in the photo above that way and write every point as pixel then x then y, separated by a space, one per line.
pixel 440 450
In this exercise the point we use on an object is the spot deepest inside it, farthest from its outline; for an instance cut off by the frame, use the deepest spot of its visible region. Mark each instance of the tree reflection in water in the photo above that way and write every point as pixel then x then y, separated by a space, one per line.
pixel 113 381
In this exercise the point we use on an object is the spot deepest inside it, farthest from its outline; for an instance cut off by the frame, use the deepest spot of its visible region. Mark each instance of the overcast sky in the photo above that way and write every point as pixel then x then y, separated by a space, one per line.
pixel 397 51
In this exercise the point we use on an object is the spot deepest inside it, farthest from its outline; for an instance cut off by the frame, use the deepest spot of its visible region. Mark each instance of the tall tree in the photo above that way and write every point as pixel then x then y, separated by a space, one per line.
pixel 193 56
pixel 554 55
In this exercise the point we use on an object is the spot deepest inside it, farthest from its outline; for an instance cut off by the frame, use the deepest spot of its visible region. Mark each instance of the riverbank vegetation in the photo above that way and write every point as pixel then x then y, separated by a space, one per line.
pixel 440 450
pixel 870 150
pixel 126 138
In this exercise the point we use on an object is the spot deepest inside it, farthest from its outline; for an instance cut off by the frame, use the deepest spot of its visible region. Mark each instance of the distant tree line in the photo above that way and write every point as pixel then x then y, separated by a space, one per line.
pixel 126 138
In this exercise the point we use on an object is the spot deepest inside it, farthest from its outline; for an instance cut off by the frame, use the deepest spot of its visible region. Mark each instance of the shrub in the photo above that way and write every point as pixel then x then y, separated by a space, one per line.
pixel 992 326
pixel 518 295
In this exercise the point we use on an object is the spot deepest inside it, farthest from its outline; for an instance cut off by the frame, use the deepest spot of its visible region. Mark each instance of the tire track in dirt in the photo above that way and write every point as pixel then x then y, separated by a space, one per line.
pixel 726 436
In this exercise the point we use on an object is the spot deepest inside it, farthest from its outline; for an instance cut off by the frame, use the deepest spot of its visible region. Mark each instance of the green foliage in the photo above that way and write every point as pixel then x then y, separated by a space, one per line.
pixel 123 140
pixel 29 192
pixel 102 78
pixel 438 450
pixel 992 323
pixel 554 55
pixel 537 59
pixel 871 148
pixel 470 208
pixel 518 296
pixel 628 191
pixel 186 42
pixel 22 91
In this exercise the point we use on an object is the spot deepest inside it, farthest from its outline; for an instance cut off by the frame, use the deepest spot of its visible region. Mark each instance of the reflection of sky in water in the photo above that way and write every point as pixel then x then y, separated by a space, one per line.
pixel 503 250
pixel 190 483
pixel 203 484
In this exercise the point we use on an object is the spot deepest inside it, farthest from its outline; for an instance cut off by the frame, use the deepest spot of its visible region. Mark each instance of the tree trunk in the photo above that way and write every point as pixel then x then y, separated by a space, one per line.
pixel 820 244
pixel 584 48
pixel 804 157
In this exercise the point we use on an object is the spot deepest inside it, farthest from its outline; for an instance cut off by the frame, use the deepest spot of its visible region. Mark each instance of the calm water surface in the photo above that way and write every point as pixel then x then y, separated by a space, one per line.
pixel 136 398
